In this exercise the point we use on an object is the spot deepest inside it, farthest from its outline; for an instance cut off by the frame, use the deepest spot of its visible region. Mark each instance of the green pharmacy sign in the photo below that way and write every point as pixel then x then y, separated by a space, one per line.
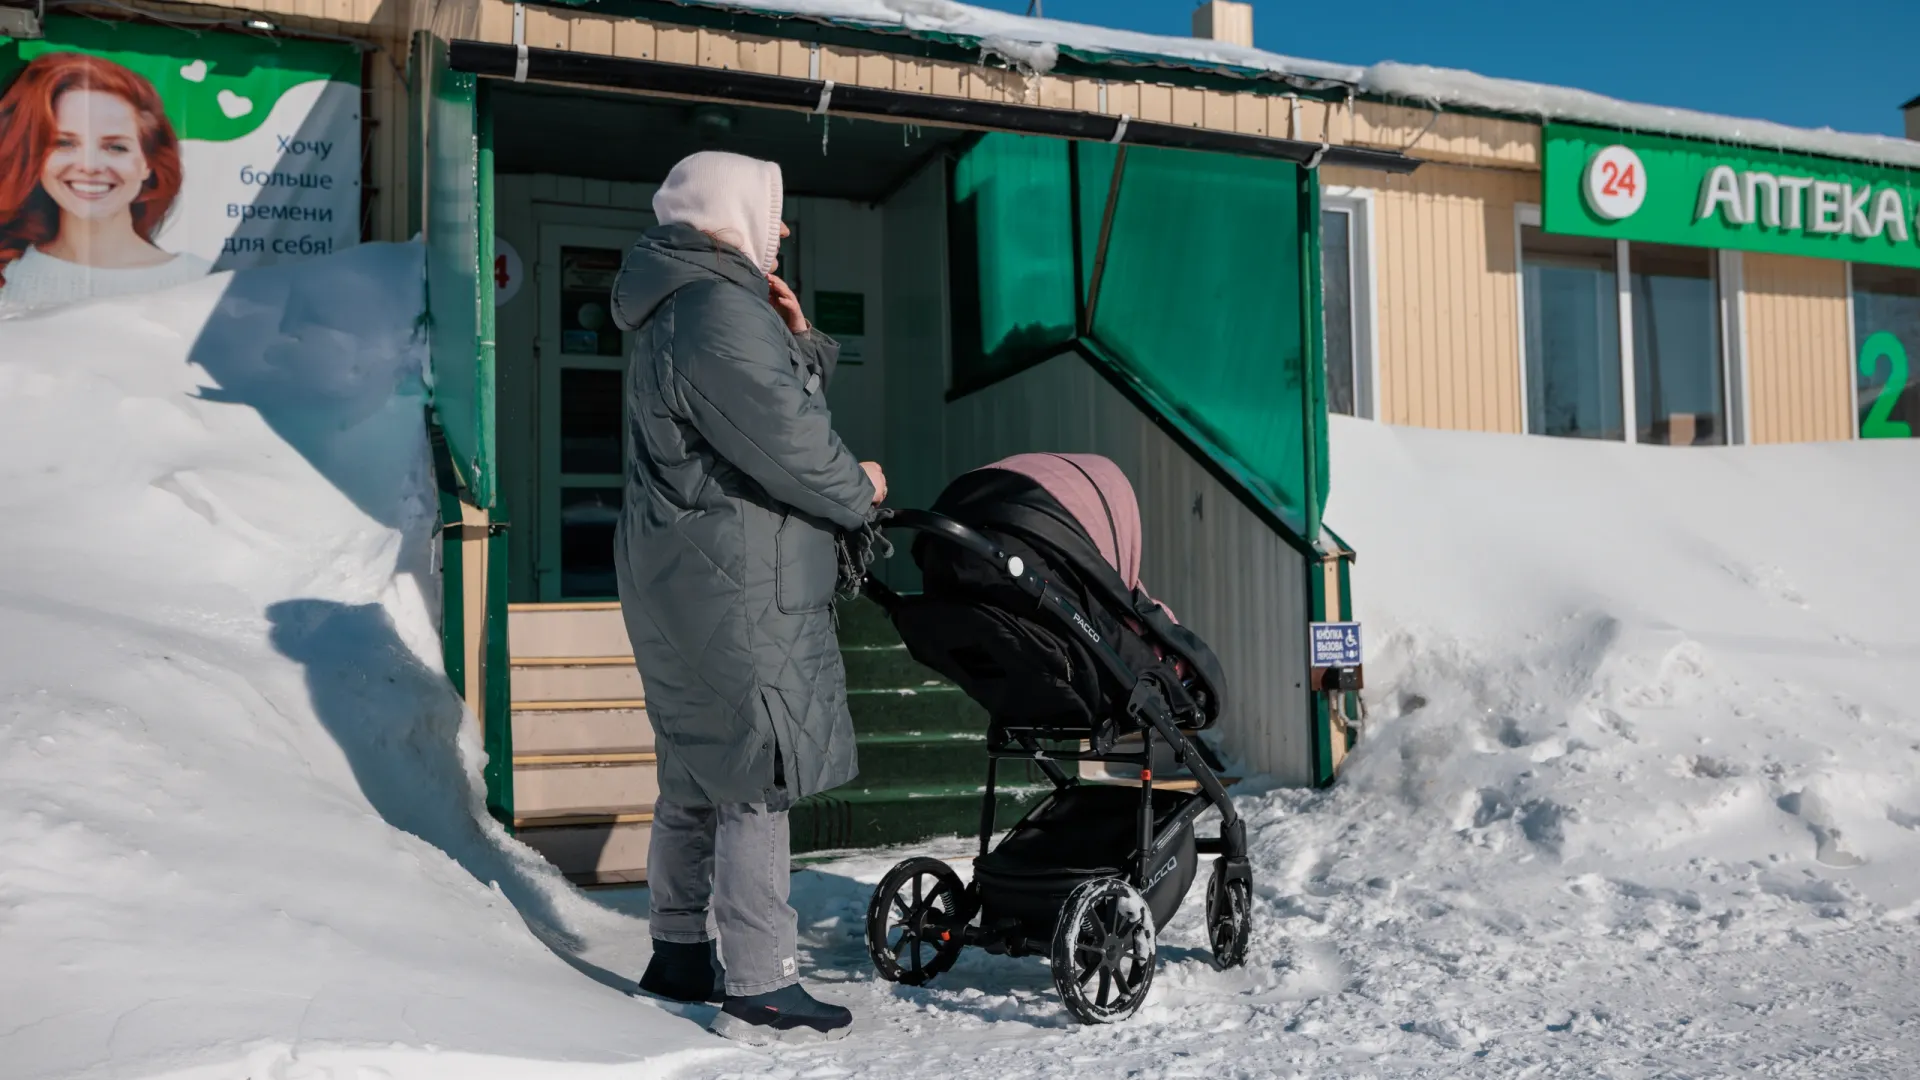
pixel 1658 189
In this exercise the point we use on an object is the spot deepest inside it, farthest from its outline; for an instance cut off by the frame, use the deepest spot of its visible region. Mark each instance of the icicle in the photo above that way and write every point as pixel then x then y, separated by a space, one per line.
pixel 826 126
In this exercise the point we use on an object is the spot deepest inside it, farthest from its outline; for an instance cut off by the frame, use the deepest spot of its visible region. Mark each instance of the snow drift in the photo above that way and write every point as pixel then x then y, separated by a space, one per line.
pixel 238 799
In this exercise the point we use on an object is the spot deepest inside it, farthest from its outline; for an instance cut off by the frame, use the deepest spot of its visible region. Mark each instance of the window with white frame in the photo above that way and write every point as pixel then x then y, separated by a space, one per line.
pixel 1625 341
pixel 1347 314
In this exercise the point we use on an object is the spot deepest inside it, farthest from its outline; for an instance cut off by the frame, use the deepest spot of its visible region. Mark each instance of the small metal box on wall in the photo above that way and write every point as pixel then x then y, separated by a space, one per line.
pixel 1335 666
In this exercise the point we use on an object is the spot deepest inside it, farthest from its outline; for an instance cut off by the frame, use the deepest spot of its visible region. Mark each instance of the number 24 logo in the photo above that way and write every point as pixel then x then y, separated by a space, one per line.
pixel 1619 181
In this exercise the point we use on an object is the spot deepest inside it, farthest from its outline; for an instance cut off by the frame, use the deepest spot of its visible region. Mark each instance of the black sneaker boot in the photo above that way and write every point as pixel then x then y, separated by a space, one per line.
pixel 786 1015
pixel 684 972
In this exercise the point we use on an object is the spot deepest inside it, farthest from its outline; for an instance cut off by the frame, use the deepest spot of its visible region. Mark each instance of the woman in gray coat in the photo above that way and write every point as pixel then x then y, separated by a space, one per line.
pixel 736 490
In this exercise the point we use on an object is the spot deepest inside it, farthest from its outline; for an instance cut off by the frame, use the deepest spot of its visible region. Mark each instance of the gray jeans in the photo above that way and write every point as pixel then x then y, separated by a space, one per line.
pixel 726 867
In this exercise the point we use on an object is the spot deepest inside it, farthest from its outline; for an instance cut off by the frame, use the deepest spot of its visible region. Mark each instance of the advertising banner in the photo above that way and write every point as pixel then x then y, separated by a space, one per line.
pixel 135 157
pixel 1653 188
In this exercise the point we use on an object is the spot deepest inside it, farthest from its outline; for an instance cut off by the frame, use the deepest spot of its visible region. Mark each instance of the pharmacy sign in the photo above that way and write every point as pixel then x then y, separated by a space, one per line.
pixel 1668 190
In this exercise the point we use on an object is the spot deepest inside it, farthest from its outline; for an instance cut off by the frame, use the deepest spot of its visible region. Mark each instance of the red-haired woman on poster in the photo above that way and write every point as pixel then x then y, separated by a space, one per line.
pixel 89 167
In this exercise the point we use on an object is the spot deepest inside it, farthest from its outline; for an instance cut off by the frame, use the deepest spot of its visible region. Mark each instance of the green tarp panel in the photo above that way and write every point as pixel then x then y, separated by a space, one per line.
pixel 1187 277
pixel 1010 195
pixel 459 251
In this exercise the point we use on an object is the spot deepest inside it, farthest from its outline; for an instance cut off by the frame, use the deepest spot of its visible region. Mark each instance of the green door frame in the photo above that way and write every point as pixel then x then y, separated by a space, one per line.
pixel 451 176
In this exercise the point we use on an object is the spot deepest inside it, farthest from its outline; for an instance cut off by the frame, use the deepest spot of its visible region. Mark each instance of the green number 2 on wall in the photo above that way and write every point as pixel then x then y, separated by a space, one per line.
pixel 1877 425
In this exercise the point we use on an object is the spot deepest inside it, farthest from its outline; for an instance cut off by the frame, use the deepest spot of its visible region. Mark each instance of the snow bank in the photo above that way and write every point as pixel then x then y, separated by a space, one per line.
pixel 1639 796
pixel 1035 44
pixel 238 803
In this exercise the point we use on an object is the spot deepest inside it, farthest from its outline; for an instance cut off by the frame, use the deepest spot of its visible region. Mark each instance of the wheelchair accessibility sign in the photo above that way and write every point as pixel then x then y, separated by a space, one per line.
pixel 1336 644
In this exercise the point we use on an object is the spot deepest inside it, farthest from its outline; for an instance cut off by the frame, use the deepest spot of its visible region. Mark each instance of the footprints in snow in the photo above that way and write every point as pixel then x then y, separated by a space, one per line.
pixel 1542 822
pixel 1770 581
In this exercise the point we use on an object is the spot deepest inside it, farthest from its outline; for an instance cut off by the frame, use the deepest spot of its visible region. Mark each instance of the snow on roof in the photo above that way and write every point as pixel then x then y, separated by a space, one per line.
pixel 1446 86
pixel 1037 44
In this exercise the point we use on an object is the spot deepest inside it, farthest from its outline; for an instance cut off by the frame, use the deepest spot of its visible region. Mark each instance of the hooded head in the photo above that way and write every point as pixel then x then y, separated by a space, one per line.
pixel 731 197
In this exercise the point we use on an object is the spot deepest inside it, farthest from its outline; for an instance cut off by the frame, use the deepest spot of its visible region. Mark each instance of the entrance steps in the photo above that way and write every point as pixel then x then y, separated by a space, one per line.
pixel 585 770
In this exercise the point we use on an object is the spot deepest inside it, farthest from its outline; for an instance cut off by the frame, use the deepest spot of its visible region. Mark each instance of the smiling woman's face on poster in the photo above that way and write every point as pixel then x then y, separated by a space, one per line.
pixel 89 168
pixel 97 166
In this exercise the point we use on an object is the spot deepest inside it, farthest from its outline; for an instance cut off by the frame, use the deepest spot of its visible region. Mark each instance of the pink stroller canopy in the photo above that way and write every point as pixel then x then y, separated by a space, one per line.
pixel 1100 498
pixel 1097 494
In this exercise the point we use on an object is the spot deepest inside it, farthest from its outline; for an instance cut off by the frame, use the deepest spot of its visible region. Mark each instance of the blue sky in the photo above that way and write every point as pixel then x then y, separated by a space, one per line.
pixel 1846 64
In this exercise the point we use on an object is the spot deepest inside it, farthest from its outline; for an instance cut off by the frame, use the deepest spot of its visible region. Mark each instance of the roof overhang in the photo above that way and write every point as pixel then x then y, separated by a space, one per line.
pixel 779 91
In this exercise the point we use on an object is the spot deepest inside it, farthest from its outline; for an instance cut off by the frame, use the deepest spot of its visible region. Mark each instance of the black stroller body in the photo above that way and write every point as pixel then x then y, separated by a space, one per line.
pixel 1023 612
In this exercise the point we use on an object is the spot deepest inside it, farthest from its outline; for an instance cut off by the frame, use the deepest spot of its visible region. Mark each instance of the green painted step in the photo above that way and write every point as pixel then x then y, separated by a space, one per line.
pixel 932 761
pixel 877 817
pixel 922 747
pixel 861 622
pixel 885 667
pixel 928 710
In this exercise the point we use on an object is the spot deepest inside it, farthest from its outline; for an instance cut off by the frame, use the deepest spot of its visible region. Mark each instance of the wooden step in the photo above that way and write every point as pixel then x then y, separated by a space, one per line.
pixel 548 789
pixel 593 757
pixel 566 630
pixel 573 731
pixel 552 680
pixel 608 847
pixel 579 706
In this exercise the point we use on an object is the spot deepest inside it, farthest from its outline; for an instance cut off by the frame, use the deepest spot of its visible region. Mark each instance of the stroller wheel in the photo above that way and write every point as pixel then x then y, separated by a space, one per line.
pixel 915 921
pixel 1229 918
pixel 1103 951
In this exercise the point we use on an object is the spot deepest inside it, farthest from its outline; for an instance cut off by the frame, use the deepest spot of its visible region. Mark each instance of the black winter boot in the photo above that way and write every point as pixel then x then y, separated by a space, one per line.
pixel 786 1015
pixel 684 972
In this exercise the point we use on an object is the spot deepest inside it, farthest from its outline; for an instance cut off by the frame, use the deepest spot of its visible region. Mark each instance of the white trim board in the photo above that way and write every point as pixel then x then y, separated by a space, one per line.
pixel 1363 267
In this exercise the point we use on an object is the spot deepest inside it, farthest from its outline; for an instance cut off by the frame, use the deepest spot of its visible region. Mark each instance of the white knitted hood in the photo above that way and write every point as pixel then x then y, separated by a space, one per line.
pixel 734 197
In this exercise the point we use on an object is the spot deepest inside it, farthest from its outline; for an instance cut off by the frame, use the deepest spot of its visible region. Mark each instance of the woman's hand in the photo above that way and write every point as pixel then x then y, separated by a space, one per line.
pixel 879 481
pixel 780 294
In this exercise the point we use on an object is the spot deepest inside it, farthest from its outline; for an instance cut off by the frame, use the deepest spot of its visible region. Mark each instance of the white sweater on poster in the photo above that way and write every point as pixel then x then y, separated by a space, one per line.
pixel 37 281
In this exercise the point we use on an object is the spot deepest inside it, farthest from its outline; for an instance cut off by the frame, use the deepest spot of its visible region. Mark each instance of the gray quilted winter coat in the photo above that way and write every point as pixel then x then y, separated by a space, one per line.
pixel 736 488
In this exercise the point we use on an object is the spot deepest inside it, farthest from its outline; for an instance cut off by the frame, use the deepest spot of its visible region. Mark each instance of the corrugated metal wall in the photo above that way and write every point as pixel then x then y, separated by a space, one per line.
pixel 1449 330
pixel 1206 556
pixel 1799 371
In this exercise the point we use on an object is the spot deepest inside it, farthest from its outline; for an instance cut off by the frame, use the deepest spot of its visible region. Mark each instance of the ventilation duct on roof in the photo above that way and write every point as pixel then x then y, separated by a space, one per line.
pixel 1224 20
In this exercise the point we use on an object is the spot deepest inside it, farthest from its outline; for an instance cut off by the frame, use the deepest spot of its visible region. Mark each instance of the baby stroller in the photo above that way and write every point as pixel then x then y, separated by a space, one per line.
pixel 1032 605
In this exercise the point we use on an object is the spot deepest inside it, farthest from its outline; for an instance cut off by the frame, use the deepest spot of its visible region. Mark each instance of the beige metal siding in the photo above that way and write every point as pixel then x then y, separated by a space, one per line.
pixel 1448 302
pixel 1218 567
pixel 1451 137
pixel 1799 373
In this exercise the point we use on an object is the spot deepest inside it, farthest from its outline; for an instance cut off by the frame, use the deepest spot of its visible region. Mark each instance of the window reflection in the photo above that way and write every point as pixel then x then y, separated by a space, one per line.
pixel 587 520
pixel 590 413
pixel 1678 382
pixel 1336 276
pixel 1573 336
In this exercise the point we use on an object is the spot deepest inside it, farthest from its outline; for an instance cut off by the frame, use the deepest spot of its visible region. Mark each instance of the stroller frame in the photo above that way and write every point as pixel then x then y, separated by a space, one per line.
pixel 1151 706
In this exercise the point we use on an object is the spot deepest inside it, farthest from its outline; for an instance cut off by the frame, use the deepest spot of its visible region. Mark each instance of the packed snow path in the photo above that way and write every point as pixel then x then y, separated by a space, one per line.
pixel 1638 797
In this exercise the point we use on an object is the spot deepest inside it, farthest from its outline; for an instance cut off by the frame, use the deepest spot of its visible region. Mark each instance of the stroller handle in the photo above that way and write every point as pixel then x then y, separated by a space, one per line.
pixel 946 528
pixel 964 536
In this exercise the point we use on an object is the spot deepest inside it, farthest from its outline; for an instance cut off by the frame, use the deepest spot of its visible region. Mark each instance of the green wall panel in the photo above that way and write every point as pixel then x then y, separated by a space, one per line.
pixel 460 309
